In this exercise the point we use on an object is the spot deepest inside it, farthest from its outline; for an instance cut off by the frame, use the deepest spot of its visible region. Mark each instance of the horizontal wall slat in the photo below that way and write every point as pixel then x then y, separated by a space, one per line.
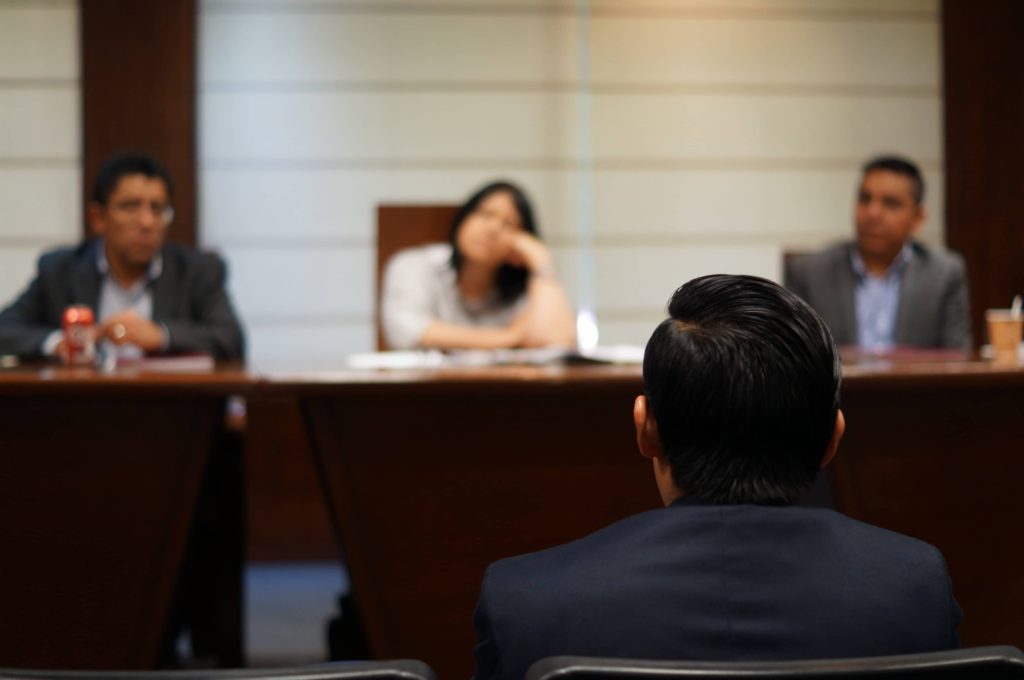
pixel 38 42
pixel 395 127
pixel 43 204
pixel 17 266
pixel 312 48
pixel 39 123
pixel 880 8
pixel 629 277
pixel 293 348
pixel 328 207
pixel 435 50
pixel 763 127
pixel 321 282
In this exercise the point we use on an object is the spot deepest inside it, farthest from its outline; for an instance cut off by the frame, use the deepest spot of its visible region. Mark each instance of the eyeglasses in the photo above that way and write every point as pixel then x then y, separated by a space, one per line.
pixel 163 212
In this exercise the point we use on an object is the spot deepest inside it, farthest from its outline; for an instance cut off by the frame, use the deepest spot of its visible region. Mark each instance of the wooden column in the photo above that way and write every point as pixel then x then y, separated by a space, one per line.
pixel 983 70
pixel 139 92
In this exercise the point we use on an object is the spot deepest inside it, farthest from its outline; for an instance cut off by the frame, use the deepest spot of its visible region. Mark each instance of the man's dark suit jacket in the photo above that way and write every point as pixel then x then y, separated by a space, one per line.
pixel 188 298
pixel 933 306
pixel 717 582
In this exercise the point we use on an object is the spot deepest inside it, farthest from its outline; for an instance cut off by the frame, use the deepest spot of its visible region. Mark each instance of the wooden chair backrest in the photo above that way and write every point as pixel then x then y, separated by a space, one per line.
pixel 406 226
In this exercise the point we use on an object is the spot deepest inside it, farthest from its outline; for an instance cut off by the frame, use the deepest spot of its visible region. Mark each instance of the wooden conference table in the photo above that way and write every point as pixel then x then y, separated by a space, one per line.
pixel 432 474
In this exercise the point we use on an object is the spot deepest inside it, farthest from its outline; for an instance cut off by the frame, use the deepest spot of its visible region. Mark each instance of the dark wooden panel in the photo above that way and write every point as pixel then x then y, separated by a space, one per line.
pixel 406 226
pixel 983 72
pixel 138 92
pixel 97 497
pixel 287 518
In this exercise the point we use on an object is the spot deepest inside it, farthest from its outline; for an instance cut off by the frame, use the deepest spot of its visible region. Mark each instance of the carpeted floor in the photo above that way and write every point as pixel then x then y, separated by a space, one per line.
pixel 288 605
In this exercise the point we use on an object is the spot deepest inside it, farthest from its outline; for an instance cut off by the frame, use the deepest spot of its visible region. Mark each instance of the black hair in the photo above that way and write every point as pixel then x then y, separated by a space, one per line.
pixel 900 166
pixel 128 163
pixel 511 281
pixel 743 382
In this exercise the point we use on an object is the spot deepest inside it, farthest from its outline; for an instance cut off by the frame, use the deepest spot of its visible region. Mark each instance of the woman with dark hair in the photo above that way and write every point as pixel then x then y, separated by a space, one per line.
pixel 493 285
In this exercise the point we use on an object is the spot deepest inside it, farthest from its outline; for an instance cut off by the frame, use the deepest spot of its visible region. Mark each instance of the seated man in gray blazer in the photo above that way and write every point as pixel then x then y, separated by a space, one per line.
pixel 148 296
pixel 885 290
pixel 740 410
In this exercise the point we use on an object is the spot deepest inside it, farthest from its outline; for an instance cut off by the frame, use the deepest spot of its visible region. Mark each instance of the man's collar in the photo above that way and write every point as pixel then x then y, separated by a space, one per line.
pixel 156 265
pixel 901 261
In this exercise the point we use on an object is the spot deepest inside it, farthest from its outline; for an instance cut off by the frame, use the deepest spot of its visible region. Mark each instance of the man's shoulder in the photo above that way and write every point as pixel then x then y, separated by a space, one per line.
pixel 936 257
pixel 887 542
pixel 64 257
pixel 823 258
pixel 188 259
pixel 697 526
pixel 567 556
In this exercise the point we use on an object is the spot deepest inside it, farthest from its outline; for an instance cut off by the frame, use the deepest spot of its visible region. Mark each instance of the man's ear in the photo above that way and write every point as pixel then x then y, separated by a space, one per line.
pixel 97 218
pixel 647 438
pixel 833 444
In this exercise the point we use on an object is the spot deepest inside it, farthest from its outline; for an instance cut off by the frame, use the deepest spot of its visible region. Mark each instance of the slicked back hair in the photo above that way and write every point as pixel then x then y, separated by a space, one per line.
pixel 743 382
pixel 511 281
pixel 128 163
pixel 900 166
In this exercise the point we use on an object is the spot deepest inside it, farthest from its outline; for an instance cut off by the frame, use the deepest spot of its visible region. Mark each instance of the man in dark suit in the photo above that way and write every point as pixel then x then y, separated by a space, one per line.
pixel 149 296
pixel 740 412
pixel 885 290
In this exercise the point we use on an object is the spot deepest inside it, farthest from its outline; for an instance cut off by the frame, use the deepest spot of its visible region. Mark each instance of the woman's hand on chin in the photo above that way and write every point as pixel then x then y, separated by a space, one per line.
pixel 527 251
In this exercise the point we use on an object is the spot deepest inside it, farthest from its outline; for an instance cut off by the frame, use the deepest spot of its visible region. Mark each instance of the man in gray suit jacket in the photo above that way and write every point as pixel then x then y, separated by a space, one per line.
pixel 885 290
pixel 148 295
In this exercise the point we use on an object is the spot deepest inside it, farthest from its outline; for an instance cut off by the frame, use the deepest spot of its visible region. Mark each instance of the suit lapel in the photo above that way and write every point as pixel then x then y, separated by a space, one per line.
pixel 908 318
pixel 84 286
pixel 163 298
pixel 844 286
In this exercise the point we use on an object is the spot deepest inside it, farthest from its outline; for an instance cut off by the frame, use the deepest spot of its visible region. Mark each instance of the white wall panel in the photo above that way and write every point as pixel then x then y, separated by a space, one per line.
pixel 630 331
pixel 39 123
pixel 639 129
pixel 291 347
pixel 331 126
pixel 796 208
pixel 329 47
pixel 803 208
pixel 438 49
pixel 769 7
pixel 301 283
pixel 39 42
pixel 663 51
pixel 631 279
pixel 17 266
pixel 309 205
pixel 783 129
pixel 39 135
pixel 40 204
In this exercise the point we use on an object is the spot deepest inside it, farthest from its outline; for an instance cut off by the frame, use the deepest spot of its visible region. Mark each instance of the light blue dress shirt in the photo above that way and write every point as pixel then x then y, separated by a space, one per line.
pixel 877 301
pixel 115 298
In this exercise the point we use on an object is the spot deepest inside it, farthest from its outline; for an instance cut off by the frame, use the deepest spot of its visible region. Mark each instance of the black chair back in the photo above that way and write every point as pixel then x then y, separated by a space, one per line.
pixel 405 669
pixel 982 663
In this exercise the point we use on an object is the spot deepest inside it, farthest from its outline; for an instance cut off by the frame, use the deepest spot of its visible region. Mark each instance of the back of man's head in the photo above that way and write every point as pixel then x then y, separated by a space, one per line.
pixel 124 164
pixel 743 382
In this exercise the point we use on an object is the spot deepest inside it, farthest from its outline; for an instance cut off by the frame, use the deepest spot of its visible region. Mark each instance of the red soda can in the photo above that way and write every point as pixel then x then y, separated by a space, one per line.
pixel 79 343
